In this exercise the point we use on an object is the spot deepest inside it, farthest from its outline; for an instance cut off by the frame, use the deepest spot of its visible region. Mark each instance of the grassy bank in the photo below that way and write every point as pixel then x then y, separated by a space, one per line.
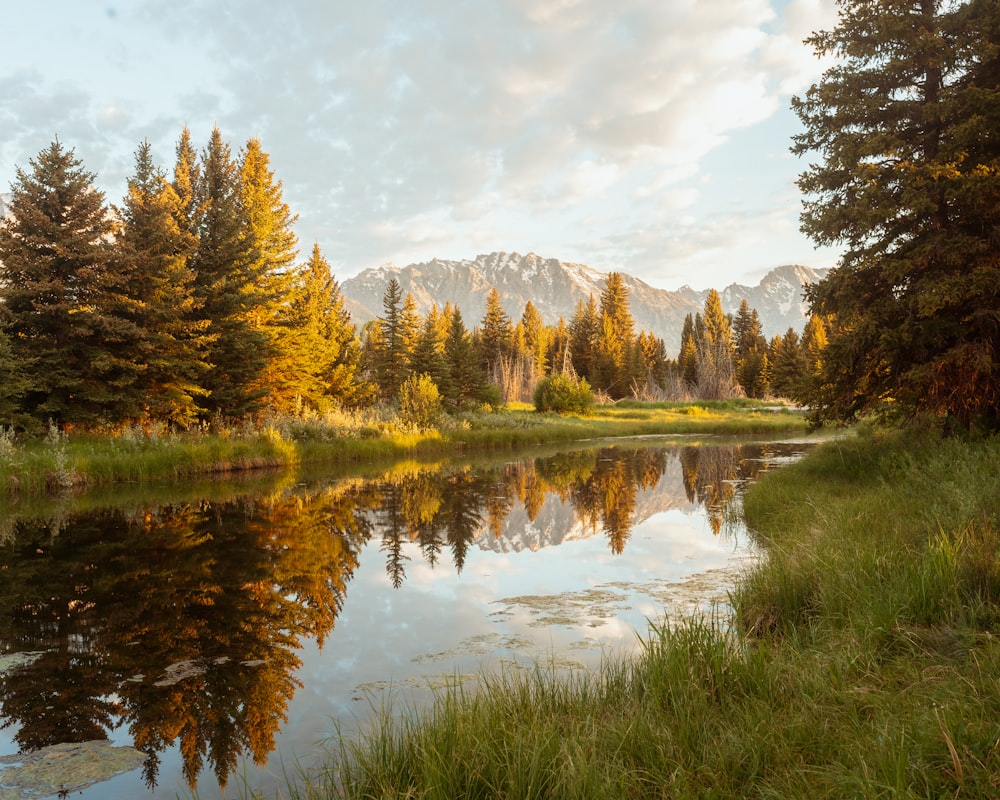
pixel 61 462
pixel 864 662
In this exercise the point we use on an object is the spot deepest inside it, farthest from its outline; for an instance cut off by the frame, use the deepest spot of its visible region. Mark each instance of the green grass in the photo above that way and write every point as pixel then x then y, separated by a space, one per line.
pixel 862 661
pixel 61 462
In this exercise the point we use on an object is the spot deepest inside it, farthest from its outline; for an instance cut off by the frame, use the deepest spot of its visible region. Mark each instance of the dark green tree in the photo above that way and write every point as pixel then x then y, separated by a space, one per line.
pixel 687 359
pixel 68 312
pixel 390 357
pixel 906 126
pixel 466 379
pixel 228 285
pixel 750 350
pixel 14 385
pixel 583 335
pixel 788 365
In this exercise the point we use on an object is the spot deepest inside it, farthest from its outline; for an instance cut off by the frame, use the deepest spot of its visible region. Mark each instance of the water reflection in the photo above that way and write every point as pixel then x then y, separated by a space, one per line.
pixel 183 621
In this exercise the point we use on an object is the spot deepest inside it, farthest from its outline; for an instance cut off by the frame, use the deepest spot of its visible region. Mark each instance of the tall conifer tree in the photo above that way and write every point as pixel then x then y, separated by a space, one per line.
pixel 273 247
pixel 154 248
pixel 66 306
pixel 227 273
pixel 907 130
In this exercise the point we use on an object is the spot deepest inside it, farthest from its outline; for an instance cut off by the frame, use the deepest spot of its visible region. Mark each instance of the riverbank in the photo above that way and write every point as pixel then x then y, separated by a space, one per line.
pixel 60 462
pixel 864 662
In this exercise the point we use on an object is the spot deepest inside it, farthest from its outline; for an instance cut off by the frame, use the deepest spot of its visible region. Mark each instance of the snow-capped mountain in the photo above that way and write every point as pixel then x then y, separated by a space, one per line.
pixel 555 287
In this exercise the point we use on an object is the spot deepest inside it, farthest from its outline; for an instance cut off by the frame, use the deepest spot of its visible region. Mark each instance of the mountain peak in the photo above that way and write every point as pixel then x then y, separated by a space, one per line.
pixel 555 287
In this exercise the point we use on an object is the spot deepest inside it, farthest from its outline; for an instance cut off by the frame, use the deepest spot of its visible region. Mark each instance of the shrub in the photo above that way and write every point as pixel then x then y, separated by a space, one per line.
pixel 563 394
pixel 420 401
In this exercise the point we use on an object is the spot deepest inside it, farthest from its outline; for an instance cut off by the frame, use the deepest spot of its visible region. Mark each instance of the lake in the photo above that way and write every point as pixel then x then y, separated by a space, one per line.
pixel 206 638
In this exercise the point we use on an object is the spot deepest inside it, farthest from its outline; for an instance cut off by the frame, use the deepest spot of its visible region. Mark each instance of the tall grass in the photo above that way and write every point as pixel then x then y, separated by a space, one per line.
pixel 60 462
pixel 862 661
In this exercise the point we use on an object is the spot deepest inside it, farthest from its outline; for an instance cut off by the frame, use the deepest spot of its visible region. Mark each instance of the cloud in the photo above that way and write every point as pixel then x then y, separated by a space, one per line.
pixel 396 126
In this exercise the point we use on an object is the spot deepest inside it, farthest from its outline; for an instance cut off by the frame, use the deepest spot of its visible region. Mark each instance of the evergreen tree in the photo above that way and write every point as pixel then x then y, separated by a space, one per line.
pixel 813 343
pixel 154 249
pixel 559 355
pixel 750 350
pixel 613 365
pixel 582 337
pixel 272 247
pixel 186 183
pixel 716 371
pixel 687 359
pixel 14 384
pixel 409 321
pixel 226 267
pixel 428 357
pixel 390 361
pixel 788 365
pixel 67 311
pixel 536 338
pixel 907 129
pixel 321 357
pixel 466 379
pixel 495 333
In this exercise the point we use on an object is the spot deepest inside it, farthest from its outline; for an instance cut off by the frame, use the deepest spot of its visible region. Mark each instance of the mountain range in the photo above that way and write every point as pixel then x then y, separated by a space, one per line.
pixel 555 287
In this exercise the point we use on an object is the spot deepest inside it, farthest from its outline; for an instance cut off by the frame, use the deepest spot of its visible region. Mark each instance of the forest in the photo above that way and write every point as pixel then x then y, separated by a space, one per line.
pixel 188 303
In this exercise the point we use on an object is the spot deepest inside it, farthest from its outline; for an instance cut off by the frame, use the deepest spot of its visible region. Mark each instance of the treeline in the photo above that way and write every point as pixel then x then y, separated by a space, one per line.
pixel 721 356
pixel 183 303
pixel 187 303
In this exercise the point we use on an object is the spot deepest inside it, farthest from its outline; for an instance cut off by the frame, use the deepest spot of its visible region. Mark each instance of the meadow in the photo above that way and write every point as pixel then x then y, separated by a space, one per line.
pixel 61 461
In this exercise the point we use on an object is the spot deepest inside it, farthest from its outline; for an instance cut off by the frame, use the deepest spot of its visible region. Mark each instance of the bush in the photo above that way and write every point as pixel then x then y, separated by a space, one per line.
pixel 564 395
pixel 420 401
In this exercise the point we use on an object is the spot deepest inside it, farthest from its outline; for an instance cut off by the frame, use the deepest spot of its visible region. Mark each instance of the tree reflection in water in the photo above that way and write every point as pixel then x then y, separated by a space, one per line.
pixel 184 621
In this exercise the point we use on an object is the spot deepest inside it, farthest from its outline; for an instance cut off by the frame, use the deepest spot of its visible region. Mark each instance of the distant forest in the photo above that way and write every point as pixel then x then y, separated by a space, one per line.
pixel 187 303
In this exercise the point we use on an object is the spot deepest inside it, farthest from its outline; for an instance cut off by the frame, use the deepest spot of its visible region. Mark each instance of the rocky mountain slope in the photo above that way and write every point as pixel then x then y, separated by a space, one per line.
pixel 555 287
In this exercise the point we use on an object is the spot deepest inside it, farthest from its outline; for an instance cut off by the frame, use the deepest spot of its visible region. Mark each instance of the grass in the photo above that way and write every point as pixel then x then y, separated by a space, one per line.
pixel 861 661
pixel 60 462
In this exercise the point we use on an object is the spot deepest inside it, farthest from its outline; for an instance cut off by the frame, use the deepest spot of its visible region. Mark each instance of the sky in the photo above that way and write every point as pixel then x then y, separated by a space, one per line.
pixel 643 136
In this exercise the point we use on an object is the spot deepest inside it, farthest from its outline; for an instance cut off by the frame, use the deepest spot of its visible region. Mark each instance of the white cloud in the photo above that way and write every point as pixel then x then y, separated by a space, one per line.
pixel 415 125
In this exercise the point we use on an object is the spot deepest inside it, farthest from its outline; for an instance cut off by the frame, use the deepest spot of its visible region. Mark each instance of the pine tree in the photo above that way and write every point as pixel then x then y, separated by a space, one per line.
pixel 467 381
pixel 428 357
pixel 750 350
pixel 225 266
pixel 495 333
pixel 319 361
pixel 687 359
pixel 907 129
pixel 716 371
pixel 582 337
pixel 409 327
pixel 390 358
pixel 536 339
pixel 14 385
pixel 66 307
pixel 615 339
pixel 155 248
pixel 186 183
pixel 788 365
pixel 273 246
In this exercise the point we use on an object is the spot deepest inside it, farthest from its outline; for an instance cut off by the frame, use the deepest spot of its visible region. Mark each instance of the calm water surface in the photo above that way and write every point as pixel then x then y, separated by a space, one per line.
pixel 223 635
